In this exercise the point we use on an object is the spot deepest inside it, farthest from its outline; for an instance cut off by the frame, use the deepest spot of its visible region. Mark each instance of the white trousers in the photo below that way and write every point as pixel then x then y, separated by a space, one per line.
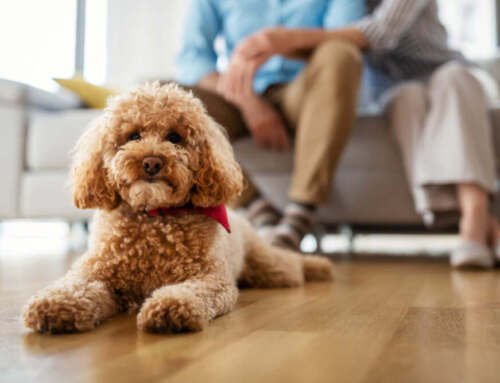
pixel 444 132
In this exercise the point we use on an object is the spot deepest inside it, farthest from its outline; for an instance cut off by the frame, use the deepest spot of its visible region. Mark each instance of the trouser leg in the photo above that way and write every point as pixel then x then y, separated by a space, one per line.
pixel 444 133
pixel 457 139
pixel 321 103
pixel 407 113
pixel 229 117
pixel 223 112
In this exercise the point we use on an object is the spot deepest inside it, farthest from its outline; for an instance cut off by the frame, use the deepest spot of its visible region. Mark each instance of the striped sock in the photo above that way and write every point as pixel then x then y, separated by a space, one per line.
pixel 297 221
pixel 262 214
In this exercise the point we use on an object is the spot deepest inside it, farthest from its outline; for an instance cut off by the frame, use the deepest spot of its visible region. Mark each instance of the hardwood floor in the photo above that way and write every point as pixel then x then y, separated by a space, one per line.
pixel 381 321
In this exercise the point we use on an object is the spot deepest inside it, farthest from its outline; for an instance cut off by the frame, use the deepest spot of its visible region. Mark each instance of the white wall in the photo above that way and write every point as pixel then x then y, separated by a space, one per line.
pixel 37 41
pixel 142 39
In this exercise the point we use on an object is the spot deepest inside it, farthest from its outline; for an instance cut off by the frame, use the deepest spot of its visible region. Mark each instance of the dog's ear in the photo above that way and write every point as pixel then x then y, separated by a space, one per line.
pixel 89 181
pixel 219 178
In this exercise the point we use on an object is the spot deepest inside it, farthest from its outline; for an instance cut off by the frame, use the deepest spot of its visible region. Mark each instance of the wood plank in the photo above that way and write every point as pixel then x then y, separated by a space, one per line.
pixel 387 320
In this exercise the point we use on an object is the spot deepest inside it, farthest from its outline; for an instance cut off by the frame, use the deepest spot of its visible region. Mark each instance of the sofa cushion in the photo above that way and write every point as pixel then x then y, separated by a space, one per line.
pixel 370 171
pixel 369 176
pixel 51 136
pixel 46 194
pixel 374 149
pixel 11 152
pixel 12 92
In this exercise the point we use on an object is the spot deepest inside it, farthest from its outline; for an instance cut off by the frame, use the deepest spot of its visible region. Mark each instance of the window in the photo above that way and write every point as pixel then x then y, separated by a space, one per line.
pixel 38 41
pixel 95 41
pixel 471 25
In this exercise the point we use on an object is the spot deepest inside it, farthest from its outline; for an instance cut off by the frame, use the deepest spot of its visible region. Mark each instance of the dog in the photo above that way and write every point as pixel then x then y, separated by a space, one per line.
pixel 159 171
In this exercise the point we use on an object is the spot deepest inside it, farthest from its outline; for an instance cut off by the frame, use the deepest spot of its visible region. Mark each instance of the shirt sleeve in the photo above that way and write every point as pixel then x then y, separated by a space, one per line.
pixel 388 23
pixel 197 56
pixel 340 13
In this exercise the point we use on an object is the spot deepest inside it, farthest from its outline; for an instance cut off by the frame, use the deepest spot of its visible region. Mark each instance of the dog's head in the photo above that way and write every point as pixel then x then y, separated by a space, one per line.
pixel 154 147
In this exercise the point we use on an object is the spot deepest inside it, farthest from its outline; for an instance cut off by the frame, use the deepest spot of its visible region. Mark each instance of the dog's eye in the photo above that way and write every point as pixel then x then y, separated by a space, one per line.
pixel 174 137
pixel 134 136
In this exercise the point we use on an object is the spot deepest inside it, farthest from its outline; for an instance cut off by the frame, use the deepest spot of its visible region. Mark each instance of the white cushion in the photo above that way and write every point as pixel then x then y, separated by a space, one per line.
pixel 12 92
pixel 46 194
pixel 51 136
pixel 374 149
pixel 370 171
pixel 11 161
pixel 357 196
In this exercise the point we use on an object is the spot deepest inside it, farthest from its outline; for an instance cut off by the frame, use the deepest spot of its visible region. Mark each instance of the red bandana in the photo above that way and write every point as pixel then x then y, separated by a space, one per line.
pixel 218 213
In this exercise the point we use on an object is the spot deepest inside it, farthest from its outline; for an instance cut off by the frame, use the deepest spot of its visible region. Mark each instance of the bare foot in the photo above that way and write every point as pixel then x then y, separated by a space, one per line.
pixel 475 225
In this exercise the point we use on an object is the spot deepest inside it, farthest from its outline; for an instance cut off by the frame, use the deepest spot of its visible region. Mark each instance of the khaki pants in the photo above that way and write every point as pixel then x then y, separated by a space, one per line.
pixel 320 105
pixel 443 129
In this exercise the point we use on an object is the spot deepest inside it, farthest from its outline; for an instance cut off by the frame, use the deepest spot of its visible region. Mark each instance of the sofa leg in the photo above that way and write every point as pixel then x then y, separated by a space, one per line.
pixel 349 233
pixel 318 232
pixel 78 236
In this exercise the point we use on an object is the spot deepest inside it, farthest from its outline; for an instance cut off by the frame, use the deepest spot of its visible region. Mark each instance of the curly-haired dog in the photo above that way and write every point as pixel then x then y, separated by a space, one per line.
pixel 155 150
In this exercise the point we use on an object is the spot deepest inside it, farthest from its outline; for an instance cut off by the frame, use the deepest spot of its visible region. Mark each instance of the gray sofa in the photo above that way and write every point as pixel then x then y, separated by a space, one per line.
pixel 37 135
pixel 34 155
pixel 370 187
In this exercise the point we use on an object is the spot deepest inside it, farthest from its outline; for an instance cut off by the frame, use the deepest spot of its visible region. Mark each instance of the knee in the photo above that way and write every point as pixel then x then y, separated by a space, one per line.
pixel 338 57
pixel 451 76
pixel 410 95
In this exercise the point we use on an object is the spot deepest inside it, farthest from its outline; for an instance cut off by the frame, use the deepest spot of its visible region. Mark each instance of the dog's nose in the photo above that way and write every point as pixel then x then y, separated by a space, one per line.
pixel 152 165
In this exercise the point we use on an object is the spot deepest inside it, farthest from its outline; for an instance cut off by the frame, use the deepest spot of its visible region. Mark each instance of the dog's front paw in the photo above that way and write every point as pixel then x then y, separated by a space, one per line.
pixel 171 315
pixel 69 305
pixel 51 315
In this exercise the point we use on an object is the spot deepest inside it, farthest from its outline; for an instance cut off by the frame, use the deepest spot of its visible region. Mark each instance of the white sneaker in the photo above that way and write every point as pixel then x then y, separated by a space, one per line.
pixel 472 254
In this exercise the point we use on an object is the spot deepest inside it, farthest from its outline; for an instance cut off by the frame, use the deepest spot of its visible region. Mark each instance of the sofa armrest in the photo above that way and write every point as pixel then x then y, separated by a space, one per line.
pixel 12 121
pixel 30 97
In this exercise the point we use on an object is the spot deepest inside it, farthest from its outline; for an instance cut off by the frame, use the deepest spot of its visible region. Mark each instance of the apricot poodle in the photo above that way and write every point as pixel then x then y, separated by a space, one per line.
pixel 159 170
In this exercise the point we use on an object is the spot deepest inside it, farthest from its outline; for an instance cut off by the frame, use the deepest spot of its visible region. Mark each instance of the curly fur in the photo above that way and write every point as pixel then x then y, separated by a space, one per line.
pixel 181 271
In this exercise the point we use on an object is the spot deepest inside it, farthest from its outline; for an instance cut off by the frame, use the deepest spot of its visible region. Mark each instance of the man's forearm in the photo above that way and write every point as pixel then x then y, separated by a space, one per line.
pixel 353 35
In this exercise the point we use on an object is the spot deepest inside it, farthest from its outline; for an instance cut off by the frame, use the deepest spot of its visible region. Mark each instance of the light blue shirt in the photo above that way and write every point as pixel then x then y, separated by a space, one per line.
pixel 237 19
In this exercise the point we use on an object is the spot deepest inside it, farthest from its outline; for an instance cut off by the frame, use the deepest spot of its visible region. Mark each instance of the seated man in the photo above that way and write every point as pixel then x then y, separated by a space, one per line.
pixel 317 99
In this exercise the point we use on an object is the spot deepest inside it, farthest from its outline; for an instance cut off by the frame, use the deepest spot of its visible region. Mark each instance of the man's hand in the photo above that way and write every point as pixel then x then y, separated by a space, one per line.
pixel 266 43
pixel 262 119
pixel 248 56
pixel 236 85
pixel 265 124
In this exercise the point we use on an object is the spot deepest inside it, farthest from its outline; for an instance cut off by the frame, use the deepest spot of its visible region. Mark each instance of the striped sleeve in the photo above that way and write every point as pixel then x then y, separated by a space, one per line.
pixel 390 20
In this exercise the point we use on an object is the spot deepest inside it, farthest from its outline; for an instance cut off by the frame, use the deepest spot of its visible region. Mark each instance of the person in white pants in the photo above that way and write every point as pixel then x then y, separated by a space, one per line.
pixel 444 132
pixel 439 116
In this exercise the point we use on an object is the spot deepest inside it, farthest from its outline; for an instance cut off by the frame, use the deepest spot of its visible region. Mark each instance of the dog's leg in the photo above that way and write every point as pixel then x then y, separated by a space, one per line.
pixel 187 306
pixel 317 268
pixel 272 267
pixel 269 267
pixel 70 304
